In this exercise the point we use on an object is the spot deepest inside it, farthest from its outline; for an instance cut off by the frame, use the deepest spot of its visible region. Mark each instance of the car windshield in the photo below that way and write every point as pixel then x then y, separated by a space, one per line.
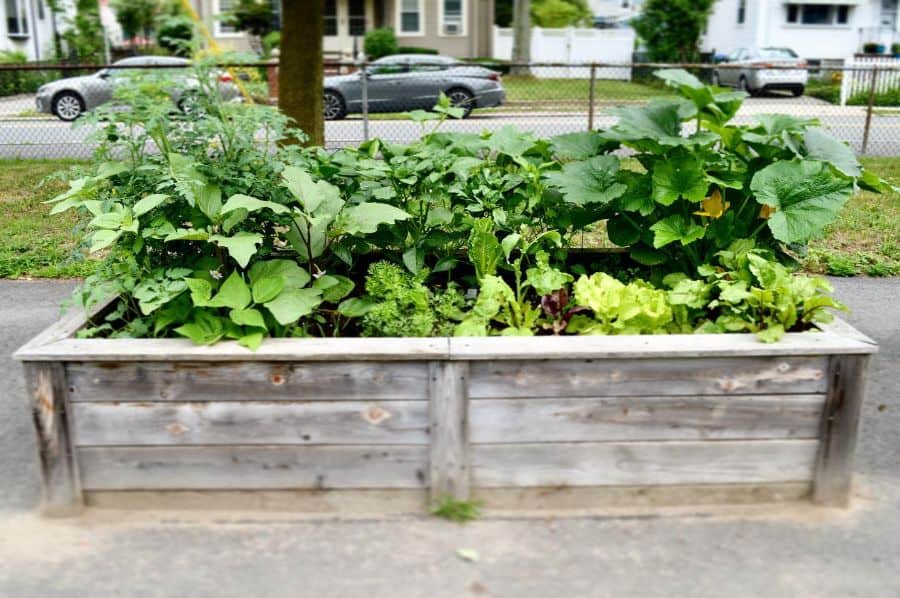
pixel 777 53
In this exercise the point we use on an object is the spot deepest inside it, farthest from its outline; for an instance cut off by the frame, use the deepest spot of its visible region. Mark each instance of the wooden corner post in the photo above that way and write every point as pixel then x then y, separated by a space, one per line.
pixel 449 429
pixel 46 384
pixel 840 424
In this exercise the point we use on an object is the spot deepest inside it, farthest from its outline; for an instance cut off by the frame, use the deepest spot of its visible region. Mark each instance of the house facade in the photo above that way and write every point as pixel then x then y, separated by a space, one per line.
pixel 819 30
pixel 27 26
pixel 461 28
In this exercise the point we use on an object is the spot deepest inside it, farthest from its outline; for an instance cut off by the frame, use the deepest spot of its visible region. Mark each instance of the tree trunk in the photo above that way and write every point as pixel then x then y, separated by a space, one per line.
pixel 300 66
pixel 521 52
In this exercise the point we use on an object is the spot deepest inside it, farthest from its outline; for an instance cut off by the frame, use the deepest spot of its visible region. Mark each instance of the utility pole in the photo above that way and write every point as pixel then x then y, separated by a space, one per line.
pixel 521 51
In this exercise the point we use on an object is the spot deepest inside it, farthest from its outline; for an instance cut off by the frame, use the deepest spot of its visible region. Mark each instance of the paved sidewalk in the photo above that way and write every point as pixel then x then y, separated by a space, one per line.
pixel 770 551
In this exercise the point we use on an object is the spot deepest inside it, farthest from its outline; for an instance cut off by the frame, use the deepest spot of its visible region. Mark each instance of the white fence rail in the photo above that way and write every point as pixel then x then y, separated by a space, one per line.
pixel 860 82
pixel 572 46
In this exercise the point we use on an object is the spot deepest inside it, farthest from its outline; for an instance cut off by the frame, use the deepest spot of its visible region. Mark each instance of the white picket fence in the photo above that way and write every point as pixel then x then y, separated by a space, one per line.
pixel 860 82
pixel 573 46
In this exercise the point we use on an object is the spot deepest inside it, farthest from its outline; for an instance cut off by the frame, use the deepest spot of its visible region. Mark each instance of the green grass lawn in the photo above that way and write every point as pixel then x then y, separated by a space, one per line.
pixel 866 239
pixel 533 90
pixel 32 243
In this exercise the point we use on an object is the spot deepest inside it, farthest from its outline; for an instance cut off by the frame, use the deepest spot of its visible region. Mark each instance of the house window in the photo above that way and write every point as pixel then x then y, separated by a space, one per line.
pixel 818 14
pixel 16 18
pixel 453 17
pixel 411 17
pixel 357 17
pixel 224 7
pixel 330 19
pixel 742 11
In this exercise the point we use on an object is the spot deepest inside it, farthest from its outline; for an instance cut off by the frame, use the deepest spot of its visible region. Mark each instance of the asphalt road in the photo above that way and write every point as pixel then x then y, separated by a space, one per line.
pixel 51 138
pixel 771 550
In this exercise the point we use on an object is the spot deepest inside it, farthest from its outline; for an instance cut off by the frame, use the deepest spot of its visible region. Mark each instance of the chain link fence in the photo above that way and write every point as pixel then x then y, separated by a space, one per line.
pixel 41 105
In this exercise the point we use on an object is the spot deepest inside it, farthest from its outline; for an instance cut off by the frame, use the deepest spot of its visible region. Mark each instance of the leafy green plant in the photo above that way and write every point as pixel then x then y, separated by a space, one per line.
pixel 456 510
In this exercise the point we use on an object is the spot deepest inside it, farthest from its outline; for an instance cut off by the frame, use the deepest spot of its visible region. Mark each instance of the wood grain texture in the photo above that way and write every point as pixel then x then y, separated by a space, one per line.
pixel 68 324
pixel 581 498
pixel 645 418
pixel 839 430
pixel 59 471
pixel 252 467
pixel 247 423
pixel 157 381
pixel 449 447
pixel 318 503
pixel 640 463
pixel 641 377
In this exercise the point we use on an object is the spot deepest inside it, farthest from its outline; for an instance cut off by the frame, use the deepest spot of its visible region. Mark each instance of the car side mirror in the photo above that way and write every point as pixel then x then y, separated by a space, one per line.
pixel 104 74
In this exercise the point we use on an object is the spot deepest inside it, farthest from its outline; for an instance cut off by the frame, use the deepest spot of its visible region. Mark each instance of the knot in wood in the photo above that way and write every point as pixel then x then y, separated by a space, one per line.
pixel 376 415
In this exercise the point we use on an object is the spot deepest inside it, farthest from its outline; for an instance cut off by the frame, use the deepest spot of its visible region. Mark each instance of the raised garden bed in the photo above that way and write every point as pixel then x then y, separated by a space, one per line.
pixel 381 424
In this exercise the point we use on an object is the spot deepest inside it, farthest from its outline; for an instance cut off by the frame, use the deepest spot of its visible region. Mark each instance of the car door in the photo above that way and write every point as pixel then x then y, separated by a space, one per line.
pixel 424 85
pixel 730 76
pixel 384 83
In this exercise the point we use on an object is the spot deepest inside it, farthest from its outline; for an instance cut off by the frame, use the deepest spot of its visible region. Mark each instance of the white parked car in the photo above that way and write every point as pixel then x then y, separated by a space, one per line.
pixel 751 75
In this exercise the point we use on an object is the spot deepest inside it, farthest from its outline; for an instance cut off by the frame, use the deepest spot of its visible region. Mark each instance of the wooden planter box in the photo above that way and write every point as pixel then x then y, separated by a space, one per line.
pixel 384 425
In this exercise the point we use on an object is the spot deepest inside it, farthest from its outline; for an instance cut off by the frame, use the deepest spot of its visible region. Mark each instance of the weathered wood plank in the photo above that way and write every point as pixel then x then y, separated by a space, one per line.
pixel 638 463
pixel 158 381
pixel 70 322
pixel 644 418
pixel 655 346
pixel 59 471
pixel 644 377
pixel 585 498
pixel 342 503
pixel 448 455
pixel 252 467
pixel 256 422
pixel 840 427
pixel 273 349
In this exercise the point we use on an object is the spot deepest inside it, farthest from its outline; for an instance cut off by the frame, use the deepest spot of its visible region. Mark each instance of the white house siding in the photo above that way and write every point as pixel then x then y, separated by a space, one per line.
pixel 766 25
pixel 38 43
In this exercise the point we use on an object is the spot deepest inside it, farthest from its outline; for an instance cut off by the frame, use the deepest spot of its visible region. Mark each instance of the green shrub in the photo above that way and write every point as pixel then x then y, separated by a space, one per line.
pixel 16 82
pixel 890 97
pixel 380 42
pixel 416 50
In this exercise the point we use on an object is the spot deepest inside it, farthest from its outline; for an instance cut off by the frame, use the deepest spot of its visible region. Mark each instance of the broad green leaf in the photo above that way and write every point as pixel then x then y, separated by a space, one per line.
pixel 334 287
pixel 622 231
pixel 241 247
pixel 414 259
pixel 577 146
pixel 679 177
pixel 252 340
pixel 485 252
pixel 201 291
pixel 267 288
pixel 772 334
pixel 822 146
pixel 148 203
pixel 676 228
pixel 209 200
pixel 365 218
pixel 293 275
pixel 510 141
pixel 109 169
pixel 251 204
pixel 233 219
pixel 647 256
pixel 509 244
pixel 293 304
pixel 655 124
pixel 544 278
pixel 776 124
pixel 356 307
pixel 248 317
pixel 101 239
pixel 462 167
pixel 187 178
pixel 807 196
pixel 589 181
pixel 187 234
pixel 233 293
pixel 312 195
pixel 438 216
pixel 205 329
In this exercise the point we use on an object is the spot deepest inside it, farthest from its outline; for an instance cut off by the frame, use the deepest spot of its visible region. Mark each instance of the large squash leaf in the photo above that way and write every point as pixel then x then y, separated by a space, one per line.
pixel 807 197
pixel 589 181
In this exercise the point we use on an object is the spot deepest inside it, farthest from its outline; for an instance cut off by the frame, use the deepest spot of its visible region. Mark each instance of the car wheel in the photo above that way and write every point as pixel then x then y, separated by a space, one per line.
pixel 745 86
pixel 798 91
pixel 462 98
pixel 335 109
pixel 68 106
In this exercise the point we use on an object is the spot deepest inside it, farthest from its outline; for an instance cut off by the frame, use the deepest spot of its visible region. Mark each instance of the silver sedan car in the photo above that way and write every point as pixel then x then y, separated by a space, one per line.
pixel 413 81
pixel 752 75
pixel 69 98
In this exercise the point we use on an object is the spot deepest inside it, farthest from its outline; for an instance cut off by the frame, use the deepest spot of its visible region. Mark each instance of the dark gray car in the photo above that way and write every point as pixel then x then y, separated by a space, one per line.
pixel 413 81
pixel 69 98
